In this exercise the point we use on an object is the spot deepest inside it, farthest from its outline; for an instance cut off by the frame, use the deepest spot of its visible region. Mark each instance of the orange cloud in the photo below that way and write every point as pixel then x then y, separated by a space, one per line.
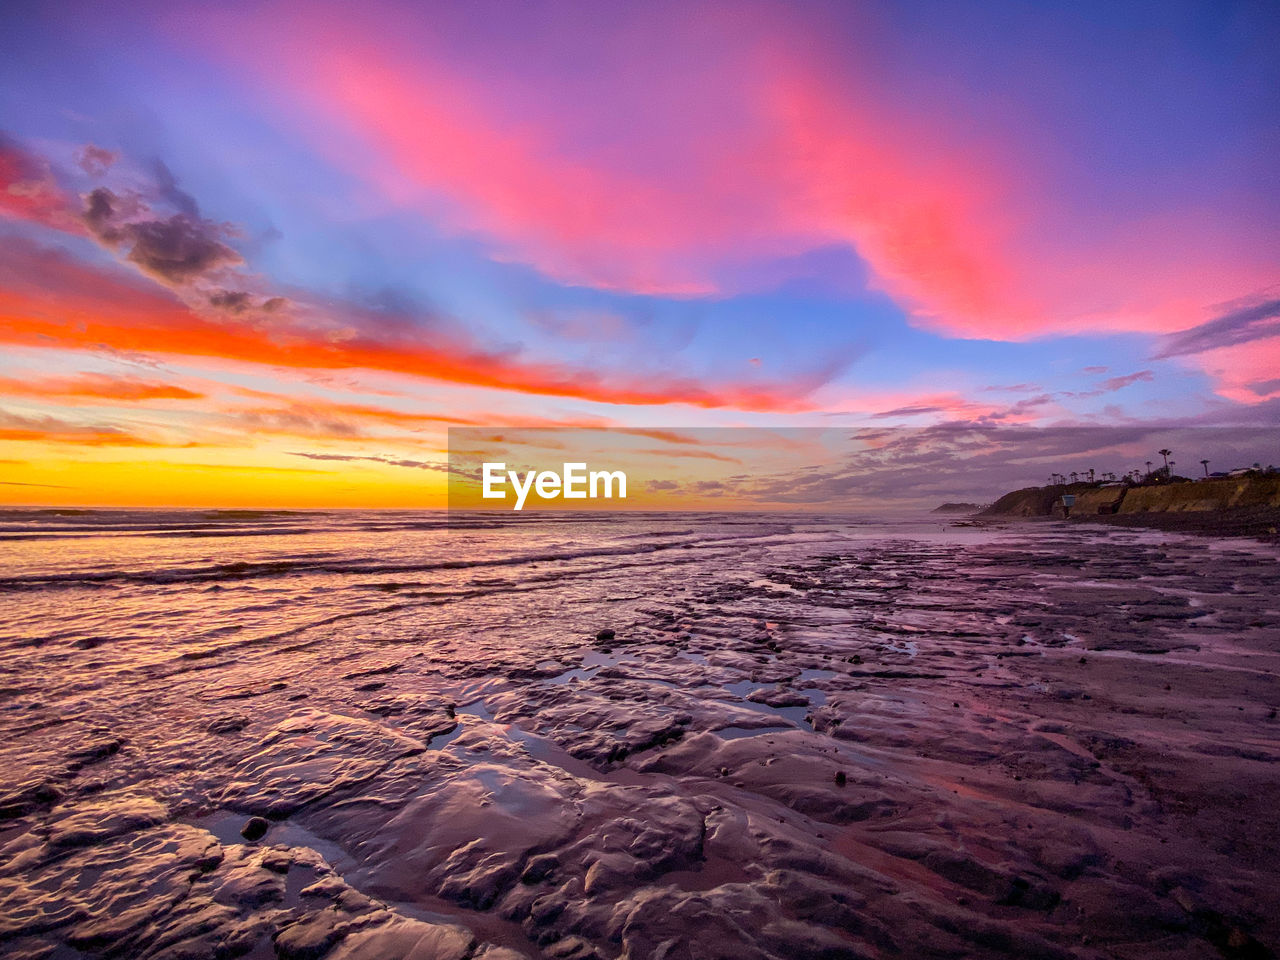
pixel 687 455
pixel 96 386
pixel 359 411
pixel 48 299
pixel 54 430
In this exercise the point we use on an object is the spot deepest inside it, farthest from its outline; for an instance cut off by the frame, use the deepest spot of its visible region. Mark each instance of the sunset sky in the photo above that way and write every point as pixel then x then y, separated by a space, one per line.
pixel 267 253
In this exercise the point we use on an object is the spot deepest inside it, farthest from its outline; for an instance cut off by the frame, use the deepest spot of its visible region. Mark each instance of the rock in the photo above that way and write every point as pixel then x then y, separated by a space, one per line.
pixel 571 948
pixel 310 756
pixel 95 751
pixel 25 797
pixel 255 828
pixel 468 836
pixel 406 939
pixel 605 634
pixel 243 883
pixel 613 870
pixel 232 723
pixel 778 697
pixel 311 936
pixel 92 823
pixel 490 952
pixel 539 868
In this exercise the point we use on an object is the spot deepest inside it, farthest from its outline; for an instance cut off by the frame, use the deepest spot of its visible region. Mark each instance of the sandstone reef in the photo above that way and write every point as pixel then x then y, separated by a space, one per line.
pixel 1057 743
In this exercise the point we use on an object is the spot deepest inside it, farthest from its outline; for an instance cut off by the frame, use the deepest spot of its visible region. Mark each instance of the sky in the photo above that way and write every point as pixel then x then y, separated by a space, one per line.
pixel 266 254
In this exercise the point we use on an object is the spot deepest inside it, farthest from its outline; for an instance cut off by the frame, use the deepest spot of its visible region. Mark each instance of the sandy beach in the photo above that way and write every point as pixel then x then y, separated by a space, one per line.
pixel 675 737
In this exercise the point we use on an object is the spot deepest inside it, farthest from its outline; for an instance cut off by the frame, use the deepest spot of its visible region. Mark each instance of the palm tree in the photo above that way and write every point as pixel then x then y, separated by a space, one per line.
pixel 1165 454
pixel 1205 464
pixel 1073 476
pixel 1148 468
pixel 1091 474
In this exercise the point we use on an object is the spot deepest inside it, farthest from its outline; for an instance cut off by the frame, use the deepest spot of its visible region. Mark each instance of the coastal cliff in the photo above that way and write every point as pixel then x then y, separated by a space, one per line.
pixel 1230 506
pixel 1228 493
pixel 1033 501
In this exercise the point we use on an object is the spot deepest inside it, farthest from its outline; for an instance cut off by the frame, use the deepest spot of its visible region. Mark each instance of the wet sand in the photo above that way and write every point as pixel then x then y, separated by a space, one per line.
pixel 1049 741
pixel 1259 523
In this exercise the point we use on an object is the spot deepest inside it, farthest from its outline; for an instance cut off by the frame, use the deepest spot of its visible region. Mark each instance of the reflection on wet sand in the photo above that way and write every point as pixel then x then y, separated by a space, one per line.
pixel 701 737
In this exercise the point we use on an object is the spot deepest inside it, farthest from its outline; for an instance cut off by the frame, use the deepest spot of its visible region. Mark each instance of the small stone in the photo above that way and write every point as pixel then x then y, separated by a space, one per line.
pixel 255 828
pixel 841 778
pixel 605 634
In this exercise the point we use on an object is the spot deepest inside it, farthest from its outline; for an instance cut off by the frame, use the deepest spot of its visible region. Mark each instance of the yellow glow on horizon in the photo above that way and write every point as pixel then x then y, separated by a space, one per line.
pixel 90 482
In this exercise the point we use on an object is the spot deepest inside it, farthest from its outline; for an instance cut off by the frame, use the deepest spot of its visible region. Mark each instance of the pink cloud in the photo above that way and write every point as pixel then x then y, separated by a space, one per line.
pixel 1245 372
pixel 764 145
pixel 29 191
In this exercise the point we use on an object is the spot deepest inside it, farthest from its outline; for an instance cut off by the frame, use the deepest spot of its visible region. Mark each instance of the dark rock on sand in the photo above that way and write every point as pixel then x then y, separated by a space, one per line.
pixel 232 723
